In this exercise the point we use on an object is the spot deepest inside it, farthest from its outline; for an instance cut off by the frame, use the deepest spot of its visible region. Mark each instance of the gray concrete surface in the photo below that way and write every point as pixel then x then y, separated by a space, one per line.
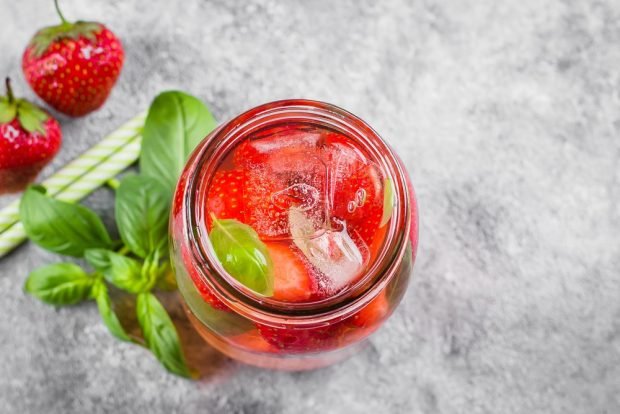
pixel 507 114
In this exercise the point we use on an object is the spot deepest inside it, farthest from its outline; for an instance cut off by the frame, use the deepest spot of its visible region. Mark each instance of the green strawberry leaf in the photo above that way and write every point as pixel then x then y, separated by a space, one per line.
pixel 107 312
pixel 160 334
pixel 30 117
pixel 123 272
pixel 243 255
pixel 142 210
pixel 8 110
pixel 48 35
pixel 68 229
pixel 60 284
pixel 175 124
pixel 388 201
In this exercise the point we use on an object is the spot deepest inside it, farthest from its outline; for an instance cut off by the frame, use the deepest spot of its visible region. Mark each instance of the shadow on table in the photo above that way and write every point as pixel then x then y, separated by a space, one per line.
pixel 200 356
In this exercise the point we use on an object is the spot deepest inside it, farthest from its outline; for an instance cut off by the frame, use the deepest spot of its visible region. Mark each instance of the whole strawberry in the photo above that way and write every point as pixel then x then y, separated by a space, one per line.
pixel 73 66
pixel 29 139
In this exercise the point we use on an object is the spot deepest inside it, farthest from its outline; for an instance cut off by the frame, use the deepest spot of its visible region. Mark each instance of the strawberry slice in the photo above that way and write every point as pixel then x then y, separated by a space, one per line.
pixel 358 188
pixel 225 198
pixel 293 275
pixel 200 284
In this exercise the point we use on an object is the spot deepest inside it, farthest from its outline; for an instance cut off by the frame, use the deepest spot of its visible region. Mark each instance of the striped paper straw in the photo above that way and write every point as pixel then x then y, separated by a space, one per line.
pixel 80 177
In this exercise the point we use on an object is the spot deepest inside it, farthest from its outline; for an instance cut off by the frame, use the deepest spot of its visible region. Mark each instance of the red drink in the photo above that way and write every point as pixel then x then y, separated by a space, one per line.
pixel 294 229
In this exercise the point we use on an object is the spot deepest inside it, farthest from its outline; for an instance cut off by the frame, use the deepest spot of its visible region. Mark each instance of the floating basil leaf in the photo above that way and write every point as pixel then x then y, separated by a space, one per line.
pixel 243 254
pixel 388 201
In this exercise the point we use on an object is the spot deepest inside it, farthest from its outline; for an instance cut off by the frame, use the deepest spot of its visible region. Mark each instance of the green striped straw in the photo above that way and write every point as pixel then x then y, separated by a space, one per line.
pixel 80 177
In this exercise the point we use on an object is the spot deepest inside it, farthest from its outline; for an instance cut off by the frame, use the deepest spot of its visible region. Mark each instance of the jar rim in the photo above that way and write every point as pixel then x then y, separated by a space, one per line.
pixel 245 301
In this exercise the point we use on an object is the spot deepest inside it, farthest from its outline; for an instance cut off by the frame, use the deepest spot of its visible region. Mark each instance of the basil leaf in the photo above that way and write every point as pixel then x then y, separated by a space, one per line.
pixel 59 284
pixel 142 210
pixel 160 334
pixel 123 272
pixel 388 201
pixel 107 313
pixel 61 227
pixel 243 254
pixel 175 124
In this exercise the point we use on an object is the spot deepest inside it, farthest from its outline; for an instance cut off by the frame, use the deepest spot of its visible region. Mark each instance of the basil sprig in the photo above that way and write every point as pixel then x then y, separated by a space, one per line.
pixel 138 263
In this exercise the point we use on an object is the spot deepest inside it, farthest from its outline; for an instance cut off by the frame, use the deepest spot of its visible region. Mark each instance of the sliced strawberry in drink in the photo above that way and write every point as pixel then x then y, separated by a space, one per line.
pixel 357 196
pixel 225 199
pixel 294 277
pixel 200 284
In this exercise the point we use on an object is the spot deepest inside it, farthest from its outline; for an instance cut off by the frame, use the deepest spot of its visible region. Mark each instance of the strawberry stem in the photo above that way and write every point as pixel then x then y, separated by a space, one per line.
pixel 9 91
pixel 62 18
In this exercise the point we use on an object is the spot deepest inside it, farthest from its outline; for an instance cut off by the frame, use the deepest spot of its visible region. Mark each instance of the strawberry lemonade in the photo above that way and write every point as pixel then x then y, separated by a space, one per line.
pixel 294 230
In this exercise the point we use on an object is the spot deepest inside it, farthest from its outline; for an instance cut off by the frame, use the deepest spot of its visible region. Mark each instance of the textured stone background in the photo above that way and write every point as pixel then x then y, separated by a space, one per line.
pixel 507 114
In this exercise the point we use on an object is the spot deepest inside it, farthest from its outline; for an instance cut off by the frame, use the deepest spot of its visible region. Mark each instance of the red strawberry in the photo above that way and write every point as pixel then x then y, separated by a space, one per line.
pixel 294 278
pixel 29 139
pixel 226 195
pixel 73 66
pixel 358 193
pixel 200 284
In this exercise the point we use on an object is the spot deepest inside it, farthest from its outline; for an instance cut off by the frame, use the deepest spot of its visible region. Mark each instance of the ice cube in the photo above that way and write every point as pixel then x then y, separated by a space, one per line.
pixel 333 252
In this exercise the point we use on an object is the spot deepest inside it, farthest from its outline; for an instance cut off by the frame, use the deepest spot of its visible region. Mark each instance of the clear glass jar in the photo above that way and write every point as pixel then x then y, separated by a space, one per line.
pixel 272 333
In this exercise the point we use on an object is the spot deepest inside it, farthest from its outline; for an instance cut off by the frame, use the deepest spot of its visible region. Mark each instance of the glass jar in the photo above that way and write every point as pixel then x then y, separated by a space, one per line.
pixel 276 334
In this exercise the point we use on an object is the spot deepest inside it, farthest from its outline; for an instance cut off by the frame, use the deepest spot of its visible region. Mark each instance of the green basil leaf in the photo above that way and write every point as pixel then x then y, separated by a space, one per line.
pixel 388 201
pixel 107 312
pixel 60 284
pixel 142 210
pixel 61 227
pixel 175 124
pixel 160 334
pixel 123 272
pixel 244 256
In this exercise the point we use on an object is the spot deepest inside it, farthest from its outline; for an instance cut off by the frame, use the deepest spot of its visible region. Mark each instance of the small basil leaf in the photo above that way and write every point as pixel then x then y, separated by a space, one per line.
pixel 175 124
pixel 160 334
pixel 388 201
pixel 244 256
pixel 61 227
pixel 142 210
pixel 60 284
pixel 107 312
pixel 123 272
